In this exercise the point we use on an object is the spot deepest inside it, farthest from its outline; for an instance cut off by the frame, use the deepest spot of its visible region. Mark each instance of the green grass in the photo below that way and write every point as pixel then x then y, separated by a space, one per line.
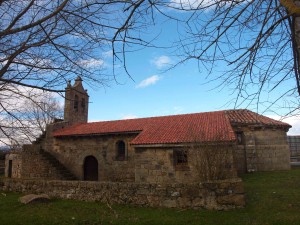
pixel 272 198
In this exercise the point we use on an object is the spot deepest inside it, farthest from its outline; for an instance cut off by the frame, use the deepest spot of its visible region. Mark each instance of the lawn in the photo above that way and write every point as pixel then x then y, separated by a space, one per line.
pixel 272 198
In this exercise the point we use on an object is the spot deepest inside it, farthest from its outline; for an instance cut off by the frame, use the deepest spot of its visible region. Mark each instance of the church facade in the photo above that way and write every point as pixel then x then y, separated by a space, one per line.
pixel 184 148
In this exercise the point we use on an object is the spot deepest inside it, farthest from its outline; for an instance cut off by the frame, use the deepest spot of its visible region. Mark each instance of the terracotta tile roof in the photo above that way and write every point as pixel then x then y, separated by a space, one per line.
pixel 197 127
pixel 247 117
pixel 204 127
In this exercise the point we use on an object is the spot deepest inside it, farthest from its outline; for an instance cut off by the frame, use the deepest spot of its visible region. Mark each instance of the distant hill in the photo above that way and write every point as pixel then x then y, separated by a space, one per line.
pixel 3 151
pixel 4 148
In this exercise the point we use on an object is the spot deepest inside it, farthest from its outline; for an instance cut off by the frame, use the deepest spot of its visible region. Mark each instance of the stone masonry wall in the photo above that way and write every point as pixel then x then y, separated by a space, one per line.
pixel 156 165
pixel 263 150
pixel 72 152
pixel 225 194
pixel 240 159
pixel 16 163
pixel 47 142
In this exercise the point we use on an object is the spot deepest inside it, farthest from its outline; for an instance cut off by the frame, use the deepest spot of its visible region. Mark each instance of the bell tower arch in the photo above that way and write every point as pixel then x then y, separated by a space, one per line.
pixel 76 103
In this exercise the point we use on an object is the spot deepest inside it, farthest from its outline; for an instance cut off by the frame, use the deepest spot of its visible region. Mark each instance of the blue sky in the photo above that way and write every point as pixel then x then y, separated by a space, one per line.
pixel 153 93
pixel 156 91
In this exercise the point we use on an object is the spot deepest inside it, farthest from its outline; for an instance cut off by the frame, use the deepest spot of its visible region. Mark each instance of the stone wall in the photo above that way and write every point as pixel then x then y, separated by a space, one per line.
pixel 48 142
pixel 204 162
pixel 264 149
pixel 13 160
pixel 154 165
pixel 240 159
pixel 220 195
pixel 72 151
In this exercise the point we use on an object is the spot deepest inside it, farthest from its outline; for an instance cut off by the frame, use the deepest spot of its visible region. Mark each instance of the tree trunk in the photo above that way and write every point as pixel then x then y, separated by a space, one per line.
pixel 296 41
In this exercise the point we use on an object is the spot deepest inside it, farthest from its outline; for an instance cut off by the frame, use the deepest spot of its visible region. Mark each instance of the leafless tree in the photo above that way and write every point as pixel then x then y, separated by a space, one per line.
pixel 256 41
pixel 42 110
pixel 209 157
pixel 25 118
pixel 212 161
pixel 45 43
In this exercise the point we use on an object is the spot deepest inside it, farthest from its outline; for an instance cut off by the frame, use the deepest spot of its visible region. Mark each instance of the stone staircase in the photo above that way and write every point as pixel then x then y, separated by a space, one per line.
pixel 64 173
pixel 40 138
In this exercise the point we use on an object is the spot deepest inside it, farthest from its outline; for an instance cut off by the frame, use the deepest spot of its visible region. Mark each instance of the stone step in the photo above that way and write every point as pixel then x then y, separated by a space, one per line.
pixel 62 170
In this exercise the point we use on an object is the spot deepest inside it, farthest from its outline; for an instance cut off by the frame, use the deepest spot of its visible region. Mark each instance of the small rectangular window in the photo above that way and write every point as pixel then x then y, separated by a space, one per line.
pixel 181 160
pixel 240 138
pixel 121 151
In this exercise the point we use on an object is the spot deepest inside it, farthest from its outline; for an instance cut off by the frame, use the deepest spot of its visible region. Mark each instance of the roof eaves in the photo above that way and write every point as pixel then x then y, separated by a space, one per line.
pixel 181 144
pixel 97 134
pixel 260 124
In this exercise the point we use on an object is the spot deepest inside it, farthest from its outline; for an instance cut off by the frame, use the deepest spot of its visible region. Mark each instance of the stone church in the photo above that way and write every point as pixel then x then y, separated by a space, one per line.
pixel 161 149
pixel 188 160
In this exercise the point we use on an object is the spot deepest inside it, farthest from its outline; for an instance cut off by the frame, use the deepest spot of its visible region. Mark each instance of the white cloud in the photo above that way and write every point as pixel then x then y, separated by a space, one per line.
pixel 14 97
pixel 107 54
pixel 201 4
pixel 294 121
pixel 192 4
pixel 129 116
pixel 21 102
pixel 39 62
pixel 92 63
pixel 148 81
pixel 177 109
pixel 161 61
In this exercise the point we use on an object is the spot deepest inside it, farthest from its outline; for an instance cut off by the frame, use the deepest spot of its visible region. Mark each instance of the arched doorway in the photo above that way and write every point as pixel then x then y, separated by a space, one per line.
pixel 90 168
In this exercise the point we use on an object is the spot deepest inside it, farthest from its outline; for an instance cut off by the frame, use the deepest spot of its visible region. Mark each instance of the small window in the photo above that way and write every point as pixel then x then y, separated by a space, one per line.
pixel 76 103
pixel 121 153
pixel 240 138
pixel 180 159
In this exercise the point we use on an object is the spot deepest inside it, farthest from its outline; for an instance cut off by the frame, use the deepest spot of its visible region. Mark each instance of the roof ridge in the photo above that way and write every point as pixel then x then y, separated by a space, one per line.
pixel 248 117
pixel 205 126
pixel 165 116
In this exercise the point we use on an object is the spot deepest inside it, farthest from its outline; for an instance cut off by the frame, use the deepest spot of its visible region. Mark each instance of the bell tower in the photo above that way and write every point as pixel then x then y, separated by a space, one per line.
pixel 76 103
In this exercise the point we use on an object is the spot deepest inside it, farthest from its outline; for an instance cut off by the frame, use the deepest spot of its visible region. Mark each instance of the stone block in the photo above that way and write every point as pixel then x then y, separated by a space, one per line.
pixel 197 202
pixel 168 203
pixel 237 200
pixel 31 198
pixel 184 202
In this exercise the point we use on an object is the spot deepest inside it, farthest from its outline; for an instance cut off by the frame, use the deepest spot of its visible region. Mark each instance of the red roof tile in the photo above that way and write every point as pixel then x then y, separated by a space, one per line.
pixel 247 117
pixel 211 126
pixel 197 127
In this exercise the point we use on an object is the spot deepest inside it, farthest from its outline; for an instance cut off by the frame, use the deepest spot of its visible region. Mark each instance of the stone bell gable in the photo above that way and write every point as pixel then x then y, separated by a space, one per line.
pixel 76 103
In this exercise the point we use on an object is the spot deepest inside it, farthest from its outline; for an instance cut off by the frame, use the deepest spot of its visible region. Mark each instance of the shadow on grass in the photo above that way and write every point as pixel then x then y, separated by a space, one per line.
pixel 272 198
